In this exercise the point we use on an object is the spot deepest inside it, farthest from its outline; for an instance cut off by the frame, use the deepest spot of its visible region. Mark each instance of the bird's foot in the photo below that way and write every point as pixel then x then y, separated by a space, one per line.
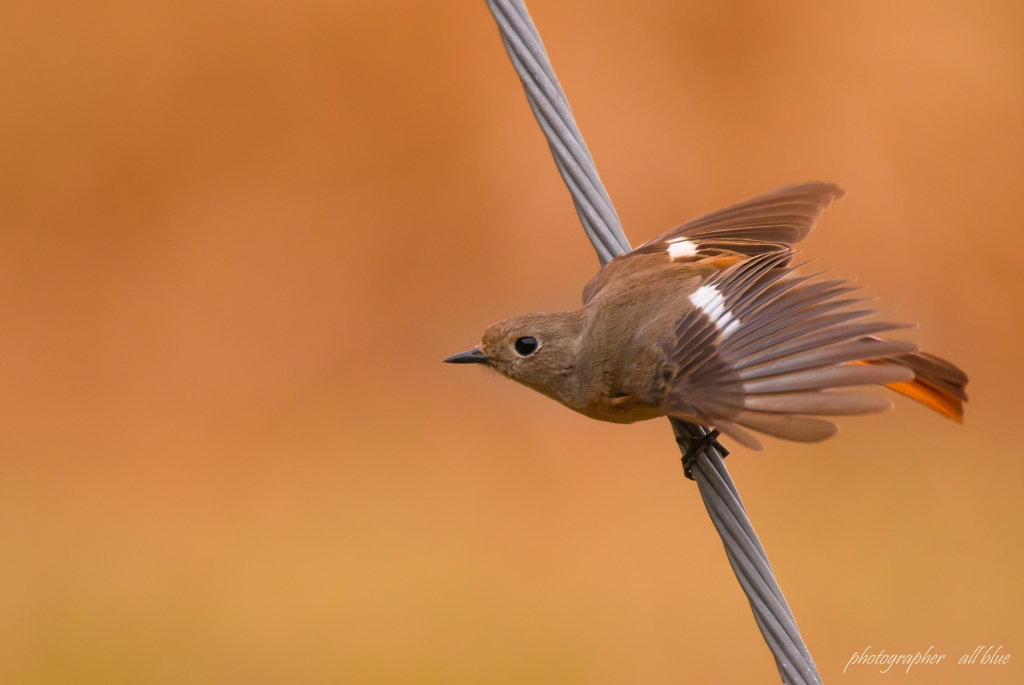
pixel 694 446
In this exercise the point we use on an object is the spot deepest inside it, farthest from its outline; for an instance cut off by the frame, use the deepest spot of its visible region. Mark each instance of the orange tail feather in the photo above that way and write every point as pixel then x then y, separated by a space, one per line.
pixel 933 398
pixel 931 374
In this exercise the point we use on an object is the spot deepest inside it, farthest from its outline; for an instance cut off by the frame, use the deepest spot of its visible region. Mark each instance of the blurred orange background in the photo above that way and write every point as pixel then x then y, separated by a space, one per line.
pixel 236 240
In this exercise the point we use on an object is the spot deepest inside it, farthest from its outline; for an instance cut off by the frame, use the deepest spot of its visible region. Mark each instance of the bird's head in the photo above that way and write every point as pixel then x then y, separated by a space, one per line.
pixel 537 350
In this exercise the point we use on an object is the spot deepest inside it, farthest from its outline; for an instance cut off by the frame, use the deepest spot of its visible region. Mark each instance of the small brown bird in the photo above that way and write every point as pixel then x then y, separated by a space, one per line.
pixel 710 324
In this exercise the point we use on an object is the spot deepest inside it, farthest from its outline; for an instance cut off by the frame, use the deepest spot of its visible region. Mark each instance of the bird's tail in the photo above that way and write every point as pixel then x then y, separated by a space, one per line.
pixel 938 384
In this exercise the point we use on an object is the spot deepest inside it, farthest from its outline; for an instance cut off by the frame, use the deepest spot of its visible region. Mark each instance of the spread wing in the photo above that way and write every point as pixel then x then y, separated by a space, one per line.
pixel 782 217
pixel 769 223
pixel 765 350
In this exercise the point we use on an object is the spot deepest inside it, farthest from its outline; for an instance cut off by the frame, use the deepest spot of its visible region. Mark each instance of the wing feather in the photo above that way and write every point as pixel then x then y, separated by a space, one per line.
pixel 763 349
pixel 766 224
pixel 781 217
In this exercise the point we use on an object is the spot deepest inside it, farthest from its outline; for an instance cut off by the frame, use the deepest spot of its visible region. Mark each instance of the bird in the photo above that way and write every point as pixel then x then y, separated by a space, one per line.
pixel 713 324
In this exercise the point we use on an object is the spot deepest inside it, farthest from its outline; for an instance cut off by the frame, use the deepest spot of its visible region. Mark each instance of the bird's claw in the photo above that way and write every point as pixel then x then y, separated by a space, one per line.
pixel 694 446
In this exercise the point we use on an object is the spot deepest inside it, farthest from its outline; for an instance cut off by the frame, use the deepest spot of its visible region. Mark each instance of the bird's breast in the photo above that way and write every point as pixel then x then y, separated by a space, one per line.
pixel 621 355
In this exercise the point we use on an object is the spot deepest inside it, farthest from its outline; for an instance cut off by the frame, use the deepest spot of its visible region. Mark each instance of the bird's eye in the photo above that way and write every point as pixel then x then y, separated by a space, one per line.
pixel 526 346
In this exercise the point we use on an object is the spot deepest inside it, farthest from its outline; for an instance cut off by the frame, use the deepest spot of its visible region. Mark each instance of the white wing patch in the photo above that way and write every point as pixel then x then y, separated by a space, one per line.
pixel 681 247
pixel 710 301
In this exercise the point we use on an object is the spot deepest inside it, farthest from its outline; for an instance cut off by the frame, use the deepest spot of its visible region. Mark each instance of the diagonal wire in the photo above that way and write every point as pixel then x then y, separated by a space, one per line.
pixel 551 109
pixel 749 561
pixel 597 214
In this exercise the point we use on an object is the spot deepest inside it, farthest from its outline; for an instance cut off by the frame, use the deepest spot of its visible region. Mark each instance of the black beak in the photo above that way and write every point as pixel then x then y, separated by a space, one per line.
pixel 474 356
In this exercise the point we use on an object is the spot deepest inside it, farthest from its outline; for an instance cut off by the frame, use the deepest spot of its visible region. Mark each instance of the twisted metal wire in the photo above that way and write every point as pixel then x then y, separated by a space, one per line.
pixel 597 214
pixel 748 560
pixel 551 108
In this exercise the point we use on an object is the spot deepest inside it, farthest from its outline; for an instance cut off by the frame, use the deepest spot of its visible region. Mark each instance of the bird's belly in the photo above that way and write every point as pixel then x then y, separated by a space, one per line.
pixel 621 409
